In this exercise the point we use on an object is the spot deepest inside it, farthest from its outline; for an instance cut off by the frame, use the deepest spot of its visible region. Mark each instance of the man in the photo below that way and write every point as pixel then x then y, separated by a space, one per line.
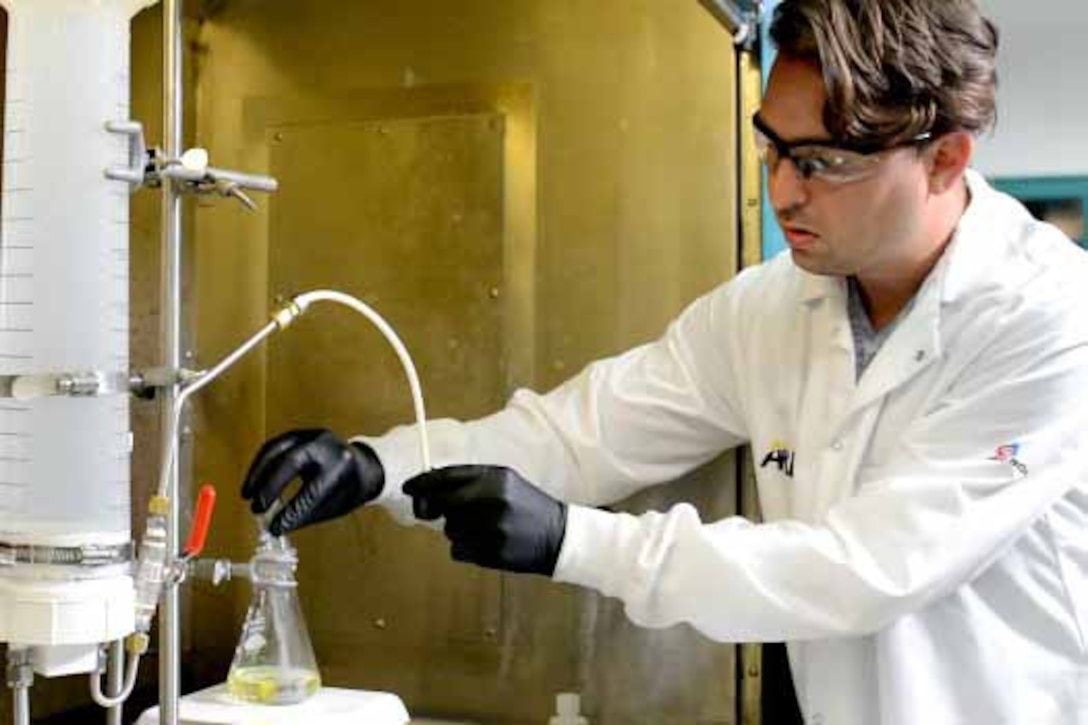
pixel 913 377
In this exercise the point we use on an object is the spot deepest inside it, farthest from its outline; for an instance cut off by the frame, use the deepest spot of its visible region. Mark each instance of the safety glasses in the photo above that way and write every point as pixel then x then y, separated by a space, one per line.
pixel 817 159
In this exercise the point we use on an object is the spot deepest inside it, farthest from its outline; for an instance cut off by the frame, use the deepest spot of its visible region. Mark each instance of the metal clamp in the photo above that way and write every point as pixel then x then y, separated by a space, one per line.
pixel 193 171
pixel 84 556
pixel 140 160
pixel 47 385
pixel 739 18
pixel 93 383
pixel 149 166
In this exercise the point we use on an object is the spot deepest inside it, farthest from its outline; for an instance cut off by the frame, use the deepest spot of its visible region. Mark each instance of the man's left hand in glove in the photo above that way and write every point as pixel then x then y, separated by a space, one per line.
pixel 494 517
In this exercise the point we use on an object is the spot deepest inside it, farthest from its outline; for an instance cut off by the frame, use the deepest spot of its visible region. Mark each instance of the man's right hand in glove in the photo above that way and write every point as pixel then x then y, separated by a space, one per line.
pixel 337 477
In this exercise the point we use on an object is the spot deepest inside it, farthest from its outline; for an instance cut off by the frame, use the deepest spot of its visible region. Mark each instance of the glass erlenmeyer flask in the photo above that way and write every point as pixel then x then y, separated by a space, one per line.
pixel 274 662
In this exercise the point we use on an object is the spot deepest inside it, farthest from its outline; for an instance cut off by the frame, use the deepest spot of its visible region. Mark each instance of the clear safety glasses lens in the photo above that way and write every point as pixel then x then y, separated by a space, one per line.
pixel 823 163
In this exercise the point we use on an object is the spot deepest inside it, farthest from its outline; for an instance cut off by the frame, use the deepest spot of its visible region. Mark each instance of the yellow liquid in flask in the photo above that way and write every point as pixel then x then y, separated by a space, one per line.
pixel 272 685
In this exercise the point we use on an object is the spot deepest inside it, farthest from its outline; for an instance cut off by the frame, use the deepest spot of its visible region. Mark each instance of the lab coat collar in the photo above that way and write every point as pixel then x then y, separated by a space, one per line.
pixel 971 250
pixel 817 287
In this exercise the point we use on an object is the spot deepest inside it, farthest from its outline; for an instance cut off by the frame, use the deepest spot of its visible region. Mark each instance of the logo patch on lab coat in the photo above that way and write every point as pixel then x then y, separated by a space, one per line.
pixel 1007 454
pixel 781 456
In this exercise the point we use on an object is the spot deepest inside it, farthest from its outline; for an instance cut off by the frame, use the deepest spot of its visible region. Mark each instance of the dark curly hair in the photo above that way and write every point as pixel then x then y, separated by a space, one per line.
pixel 895 69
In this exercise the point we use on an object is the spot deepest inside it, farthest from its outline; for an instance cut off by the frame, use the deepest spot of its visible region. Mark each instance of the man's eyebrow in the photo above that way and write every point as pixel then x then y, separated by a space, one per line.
pixel 759 123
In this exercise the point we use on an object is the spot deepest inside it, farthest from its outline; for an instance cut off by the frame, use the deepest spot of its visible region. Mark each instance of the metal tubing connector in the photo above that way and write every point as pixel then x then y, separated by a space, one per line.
pixel 145 384
pixel 79 384
pixel 20 673
pixel 158 506
pixel 287 314
pixel 137 643
pixel 218 571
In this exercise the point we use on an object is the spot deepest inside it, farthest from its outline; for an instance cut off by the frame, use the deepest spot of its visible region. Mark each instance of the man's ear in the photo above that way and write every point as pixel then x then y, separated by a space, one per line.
pixel 947 158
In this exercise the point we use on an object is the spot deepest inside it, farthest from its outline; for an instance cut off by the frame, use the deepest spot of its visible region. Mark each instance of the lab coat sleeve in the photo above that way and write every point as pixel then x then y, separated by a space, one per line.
pixel 638 419
pixel 933 515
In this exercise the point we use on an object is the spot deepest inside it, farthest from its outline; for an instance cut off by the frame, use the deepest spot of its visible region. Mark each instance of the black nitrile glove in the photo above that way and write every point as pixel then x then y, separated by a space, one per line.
pixel 337 477
pixel 494 517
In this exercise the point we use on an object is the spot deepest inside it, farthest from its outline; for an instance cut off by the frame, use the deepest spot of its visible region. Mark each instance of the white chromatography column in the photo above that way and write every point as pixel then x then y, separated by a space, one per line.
pixel 65 461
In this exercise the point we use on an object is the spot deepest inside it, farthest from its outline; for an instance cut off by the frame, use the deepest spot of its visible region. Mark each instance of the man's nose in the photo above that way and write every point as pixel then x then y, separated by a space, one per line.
pixel 786 187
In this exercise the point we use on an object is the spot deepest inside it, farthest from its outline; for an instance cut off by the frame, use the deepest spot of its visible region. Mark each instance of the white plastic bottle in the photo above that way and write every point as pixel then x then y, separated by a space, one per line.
pixel 568 705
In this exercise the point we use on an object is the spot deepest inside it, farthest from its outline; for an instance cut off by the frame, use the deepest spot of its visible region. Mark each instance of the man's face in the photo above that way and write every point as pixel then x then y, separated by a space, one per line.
pixel 864 228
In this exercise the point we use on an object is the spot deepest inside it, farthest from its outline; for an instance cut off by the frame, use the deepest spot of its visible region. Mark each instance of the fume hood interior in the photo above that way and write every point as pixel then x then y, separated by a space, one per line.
pixel 483 175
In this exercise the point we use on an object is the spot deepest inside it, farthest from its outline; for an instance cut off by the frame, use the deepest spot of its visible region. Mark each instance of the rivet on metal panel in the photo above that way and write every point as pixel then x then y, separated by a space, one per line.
pixel 494 293
pixel 491 632
pixel 379 623
pixel 277 136
pixel 753 671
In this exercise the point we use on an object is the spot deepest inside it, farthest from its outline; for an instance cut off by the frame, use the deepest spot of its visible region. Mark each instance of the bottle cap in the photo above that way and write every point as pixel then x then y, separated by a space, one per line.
pixel 568 704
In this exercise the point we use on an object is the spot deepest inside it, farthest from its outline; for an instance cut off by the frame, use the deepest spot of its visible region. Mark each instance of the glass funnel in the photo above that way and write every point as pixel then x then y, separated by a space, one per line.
pixel 274 662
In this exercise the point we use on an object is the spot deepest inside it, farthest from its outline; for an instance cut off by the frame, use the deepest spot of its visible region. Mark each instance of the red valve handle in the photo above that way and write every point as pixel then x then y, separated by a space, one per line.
pixel 202 519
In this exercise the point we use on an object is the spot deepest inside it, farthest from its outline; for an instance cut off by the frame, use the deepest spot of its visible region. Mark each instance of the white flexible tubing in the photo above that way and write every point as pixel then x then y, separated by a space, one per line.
pixel 305 300
pixel 118 699
pixel 133 666
pixel 203 381
pixel 282 318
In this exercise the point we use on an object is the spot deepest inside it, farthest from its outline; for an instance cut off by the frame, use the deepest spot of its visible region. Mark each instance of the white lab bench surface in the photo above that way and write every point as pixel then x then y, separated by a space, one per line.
pixel 330 706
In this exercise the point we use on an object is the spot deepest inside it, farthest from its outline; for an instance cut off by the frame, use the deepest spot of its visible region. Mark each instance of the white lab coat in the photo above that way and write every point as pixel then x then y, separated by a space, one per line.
pixel 925 550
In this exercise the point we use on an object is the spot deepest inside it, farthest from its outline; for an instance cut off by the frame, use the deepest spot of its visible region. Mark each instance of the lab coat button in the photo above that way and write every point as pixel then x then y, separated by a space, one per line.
pixel 836 445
